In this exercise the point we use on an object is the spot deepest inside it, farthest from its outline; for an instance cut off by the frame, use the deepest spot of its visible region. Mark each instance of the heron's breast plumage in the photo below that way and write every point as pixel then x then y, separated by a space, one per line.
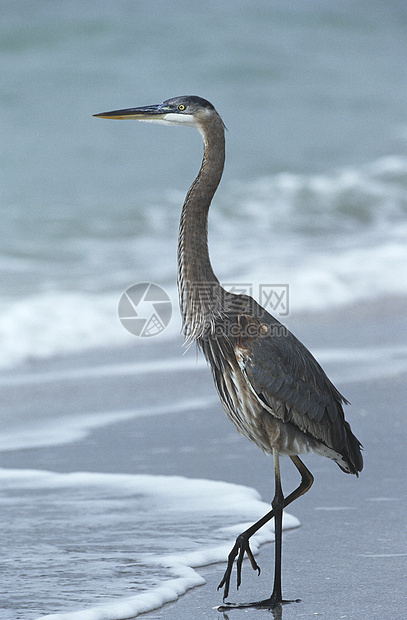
pixel 242 404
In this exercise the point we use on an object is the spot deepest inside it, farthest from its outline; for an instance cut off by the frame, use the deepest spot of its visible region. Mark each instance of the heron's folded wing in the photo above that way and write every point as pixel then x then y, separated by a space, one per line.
pixel 291 384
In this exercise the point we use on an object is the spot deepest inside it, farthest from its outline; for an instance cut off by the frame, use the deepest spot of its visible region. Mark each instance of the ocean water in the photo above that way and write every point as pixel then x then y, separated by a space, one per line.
pixel 315 189
pixel 314 196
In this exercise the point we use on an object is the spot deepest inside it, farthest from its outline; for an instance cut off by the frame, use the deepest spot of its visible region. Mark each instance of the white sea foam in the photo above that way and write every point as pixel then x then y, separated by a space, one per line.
pixel 335 239
pixel 50 323
pixel 108 546
pixel 62 322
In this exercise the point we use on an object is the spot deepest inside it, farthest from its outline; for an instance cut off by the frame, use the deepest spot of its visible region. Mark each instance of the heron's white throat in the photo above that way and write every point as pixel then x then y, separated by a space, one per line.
pixel 179 119
pixel 187 120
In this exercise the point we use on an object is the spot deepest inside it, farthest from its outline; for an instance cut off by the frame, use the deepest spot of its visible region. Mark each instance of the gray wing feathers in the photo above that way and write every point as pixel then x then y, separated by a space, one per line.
pixel 294 388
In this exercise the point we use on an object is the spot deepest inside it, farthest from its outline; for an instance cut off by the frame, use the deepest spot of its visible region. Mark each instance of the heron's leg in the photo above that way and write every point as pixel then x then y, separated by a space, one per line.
pixel 306 481
pixel 277 504
pixel 241 545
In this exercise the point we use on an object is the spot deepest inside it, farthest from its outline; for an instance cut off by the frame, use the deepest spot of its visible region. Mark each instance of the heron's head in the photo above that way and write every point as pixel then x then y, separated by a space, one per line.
pixel 188 110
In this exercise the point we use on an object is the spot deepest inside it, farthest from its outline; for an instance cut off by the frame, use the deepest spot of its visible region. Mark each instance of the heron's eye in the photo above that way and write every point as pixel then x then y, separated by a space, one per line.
pixel 181 107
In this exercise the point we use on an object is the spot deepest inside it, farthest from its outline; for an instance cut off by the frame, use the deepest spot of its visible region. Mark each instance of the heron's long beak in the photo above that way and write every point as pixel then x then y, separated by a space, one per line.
pixel 146 113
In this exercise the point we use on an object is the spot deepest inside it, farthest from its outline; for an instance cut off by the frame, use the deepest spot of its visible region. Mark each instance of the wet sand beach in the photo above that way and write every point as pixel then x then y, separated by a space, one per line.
pixel 348 559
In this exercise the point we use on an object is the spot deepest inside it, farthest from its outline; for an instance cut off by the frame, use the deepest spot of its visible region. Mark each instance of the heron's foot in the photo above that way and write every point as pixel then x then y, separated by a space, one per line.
pixel 268 603
pixel 240 547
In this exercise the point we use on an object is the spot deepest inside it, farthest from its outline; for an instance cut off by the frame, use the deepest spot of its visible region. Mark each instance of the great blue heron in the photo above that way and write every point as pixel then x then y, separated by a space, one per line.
pixel 270 385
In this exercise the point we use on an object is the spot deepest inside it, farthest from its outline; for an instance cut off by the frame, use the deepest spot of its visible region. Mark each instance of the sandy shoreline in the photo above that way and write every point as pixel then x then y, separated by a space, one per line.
pixel 348 559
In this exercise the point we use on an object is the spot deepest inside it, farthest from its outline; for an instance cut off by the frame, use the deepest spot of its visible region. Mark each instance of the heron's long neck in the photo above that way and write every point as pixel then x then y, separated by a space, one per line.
pixel 197 283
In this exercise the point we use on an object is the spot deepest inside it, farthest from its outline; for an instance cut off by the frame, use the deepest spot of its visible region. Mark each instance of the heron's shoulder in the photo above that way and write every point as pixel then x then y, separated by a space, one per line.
pixel 281 369
pixel 275 352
